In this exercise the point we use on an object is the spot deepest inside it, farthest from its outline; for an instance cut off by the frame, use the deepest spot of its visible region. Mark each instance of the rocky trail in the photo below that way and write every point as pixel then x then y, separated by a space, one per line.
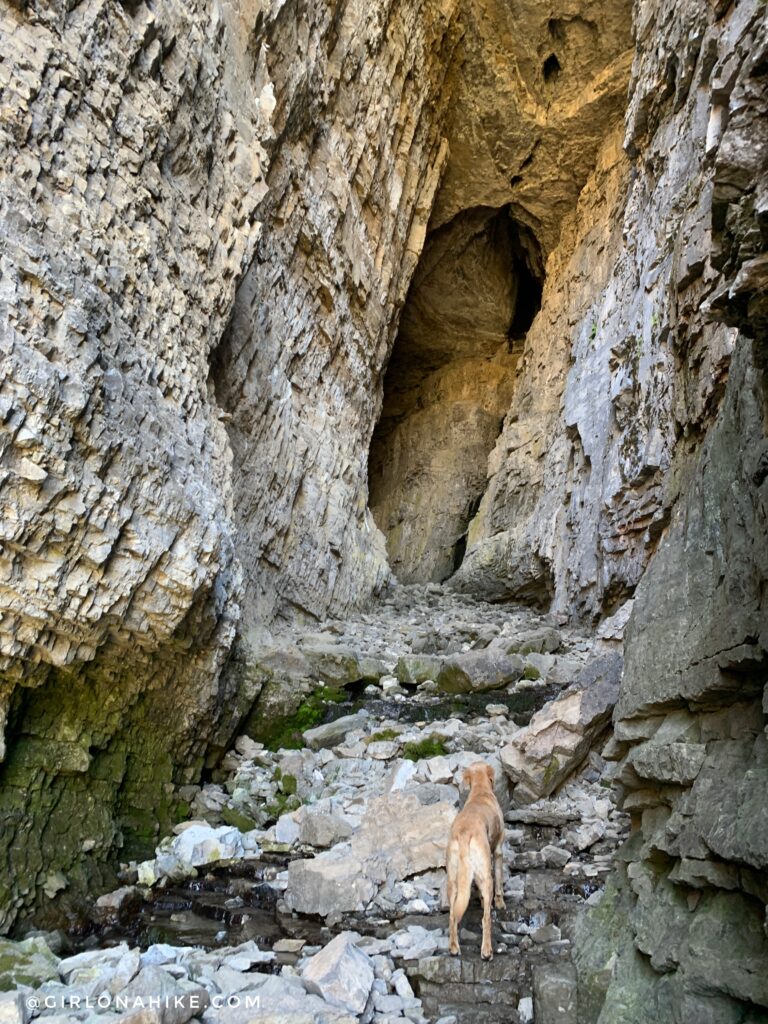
pixel 311 877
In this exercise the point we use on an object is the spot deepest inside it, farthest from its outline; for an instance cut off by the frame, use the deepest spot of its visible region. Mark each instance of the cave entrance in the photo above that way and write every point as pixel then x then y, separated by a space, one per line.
pixel 448 385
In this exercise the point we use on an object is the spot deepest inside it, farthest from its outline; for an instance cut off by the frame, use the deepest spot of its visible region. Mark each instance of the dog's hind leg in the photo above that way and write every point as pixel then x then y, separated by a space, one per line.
pixel 459 885
pixel 486 891
pixel 498 872
pixel 482 869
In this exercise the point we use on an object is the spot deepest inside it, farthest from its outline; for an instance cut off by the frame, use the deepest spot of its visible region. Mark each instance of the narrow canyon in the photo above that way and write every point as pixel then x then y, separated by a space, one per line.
pixel 384 388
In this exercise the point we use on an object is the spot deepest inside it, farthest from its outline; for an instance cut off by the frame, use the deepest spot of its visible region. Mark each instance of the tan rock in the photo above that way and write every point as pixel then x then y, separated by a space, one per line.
pixel 544 753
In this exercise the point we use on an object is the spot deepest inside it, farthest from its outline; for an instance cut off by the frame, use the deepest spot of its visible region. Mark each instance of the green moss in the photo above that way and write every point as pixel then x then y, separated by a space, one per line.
pixel 552 769
pixel 235 818
pixel 431 746
pixel 285 730
pixel 383 734
pixel 283 803
pixel 26 963
pixel 182 811
pixel 288 784
pixel 531 672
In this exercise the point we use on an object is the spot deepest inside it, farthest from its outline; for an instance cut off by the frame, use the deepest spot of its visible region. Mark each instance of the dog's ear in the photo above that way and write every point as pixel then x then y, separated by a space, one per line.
pixel 466 778
pixel 490 773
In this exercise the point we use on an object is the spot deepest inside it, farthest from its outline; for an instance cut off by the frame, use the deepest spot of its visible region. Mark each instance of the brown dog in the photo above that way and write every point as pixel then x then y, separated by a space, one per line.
pixel 476 834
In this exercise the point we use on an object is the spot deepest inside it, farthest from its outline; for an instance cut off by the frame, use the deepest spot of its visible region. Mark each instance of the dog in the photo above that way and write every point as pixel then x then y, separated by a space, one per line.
pixel 476 839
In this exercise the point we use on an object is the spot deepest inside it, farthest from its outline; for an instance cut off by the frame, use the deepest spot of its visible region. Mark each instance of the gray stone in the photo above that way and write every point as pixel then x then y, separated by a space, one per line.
pixel 13 1008
pixel 331 733
pixel 417 668
pixel 330 884
pixel 477 671
pixel 555 856
pixel 525 1010
pixel 287 828
pixel 112 905
pixel 554 994
pixel 320 826
pixel 585 835
pixel 29 962
pixel 340 973
pixel 91 958
pixel 668 762
pixel 543 754
pixel 179 1002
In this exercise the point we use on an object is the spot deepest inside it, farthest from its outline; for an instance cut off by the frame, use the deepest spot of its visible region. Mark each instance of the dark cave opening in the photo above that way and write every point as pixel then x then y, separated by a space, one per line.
pixel 449 382
pixel 551 68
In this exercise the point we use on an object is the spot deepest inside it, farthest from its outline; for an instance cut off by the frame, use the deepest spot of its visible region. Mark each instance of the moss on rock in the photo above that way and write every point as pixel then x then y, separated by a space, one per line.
pixel 286 731
pixel 431 746
pixel 30 962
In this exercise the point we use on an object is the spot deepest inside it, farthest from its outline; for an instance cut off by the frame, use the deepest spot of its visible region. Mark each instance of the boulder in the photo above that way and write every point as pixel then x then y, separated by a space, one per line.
pixel 320 825
pixel 178 1001
pixel 418 668
pixel 249 748
pixel 331 733
pixel 29 962
pixel 545 640
pixel 585 835
pixel 101 959
pixel 330 884
pixel 543 754
pixel 398 837
pixel 110 907
pixel 287 828
pixel 197 846
pixel 340 973
pixel 477 671
pixel 334 664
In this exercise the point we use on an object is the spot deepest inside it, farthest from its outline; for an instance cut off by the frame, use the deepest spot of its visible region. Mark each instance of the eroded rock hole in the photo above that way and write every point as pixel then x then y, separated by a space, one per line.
pixel 448 385
pixel 551 68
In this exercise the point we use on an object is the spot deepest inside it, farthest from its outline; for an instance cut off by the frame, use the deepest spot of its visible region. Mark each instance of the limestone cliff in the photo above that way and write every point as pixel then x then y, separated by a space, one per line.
pixel 132 167
pixel 509 260
pixel 690 725
pixel 536 92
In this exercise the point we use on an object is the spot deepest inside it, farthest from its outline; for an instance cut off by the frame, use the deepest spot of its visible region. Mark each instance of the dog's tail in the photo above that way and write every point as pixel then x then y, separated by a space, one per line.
pixel 460 873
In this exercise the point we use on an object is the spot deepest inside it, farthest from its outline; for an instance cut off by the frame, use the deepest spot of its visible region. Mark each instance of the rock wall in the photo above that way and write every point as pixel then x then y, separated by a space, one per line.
pixel 187 404
pixel 131 173
pixel 688 907
pixel 623 368
pixel 357 159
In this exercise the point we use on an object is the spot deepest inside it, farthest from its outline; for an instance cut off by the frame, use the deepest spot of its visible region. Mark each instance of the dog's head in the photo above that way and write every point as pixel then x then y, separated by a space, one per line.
pixel 478 773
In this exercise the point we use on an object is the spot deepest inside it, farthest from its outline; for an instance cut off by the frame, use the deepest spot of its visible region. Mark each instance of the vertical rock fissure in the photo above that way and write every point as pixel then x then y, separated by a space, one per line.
pixel 448 385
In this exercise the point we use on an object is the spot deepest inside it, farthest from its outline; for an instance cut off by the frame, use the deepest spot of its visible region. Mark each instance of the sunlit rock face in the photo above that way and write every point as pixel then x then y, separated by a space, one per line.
pixel 535 93
pixel 448 385
pixel 625 365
